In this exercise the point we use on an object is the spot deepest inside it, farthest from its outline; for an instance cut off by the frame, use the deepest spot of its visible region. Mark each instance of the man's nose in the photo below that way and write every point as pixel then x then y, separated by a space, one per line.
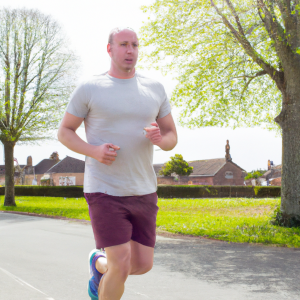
pixel 129 48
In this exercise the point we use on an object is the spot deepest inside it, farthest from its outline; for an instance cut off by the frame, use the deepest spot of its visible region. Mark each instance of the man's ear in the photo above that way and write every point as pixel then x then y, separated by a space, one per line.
pixel 109 49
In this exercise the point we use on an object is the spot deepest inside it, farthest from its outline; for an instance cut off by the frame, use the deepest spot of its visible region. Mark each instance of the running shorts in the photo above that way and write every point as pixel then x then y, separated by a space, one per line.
pixel 117 220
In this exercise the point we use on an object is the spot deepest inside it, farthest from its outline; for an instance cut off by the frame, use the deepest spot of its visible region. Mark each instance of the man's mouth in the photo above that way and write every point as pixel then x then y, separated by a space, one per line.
pixel 128 60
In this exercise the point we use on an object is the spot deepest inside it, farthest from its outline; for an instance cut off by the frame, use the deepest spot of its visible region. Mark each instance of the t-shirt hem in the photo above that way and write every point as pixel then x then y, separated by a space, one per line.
pixel 118 194
pixel 75 114
pixel 163 115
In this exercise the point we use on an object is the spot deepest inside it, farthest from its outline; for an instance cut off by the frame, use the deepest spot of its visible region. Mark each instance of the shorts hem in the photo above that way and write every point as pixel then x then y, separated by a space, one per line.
pixel 144 244
pixel 113 244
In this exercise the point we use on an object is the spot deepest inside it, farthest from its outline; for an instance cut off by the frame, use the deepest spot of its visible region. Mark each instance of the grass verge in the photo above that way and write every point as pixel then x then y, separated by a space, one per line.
pixel 229 219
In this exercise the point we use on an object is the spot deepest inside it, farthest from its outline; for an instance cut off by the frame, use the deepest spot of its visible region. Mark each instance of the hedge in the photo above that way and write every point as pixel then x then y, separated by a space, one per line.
pixel 165 191
pixel 209 191
pixel 48 191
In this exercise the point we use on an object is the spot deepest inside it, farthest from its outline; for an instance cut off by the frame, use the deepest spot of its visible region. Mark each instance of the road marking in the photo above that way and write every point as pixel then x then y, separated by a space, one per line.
pixel 138 293
pixel 22 282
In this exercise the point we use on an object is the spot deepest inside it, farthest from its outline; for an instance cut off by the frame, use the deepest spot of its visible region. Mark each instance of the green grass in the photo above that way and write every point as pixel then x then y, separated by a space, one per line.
pixel 230 219
pixel 75 208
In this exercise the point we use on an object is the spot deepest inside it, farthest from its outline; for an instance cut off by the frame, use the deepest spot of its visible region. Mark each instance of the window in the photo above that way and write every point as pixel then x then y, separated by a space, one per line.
pixel 228 175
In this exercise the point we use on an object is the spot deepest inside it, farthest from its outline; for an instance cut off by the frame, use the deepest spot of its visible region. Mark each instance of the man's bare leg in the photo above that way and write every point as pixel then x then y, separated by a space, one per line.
pixel 101 264
pixel 118 269
pixel 141 258
pixel 139 261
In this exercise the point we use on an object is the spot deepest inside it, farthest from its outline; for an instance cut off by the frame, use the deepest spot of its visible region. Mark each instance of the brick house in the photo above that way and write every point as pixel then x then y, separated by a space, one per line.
pixel 25 174
pixel 217 171
pixel 43 166
pixel 69 171
pixel 273 175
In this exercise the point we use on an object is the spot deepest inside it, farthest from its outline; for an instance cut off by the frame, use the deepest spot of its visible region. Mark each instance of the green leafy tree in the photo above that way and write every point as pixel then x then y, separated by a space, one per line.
pixel 254 174
pixel 237 64
pixel 176 165
pixel 36 78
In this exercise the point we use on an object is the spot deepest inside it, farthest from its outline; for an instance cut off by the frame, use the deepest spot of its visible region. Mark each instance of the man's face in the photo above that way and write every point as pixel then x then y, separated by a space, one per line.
pixel 124 50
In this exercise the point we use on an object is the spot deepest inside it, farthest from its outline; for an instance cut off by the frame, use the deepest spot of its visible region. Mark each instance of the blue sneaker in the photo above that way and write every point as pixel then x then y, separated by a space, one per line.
pixel 94 273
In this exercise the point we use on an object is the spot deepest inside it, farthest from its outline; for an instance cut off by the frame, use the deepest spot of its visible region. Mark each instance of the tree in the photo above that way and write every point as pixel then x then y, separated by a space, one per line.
pixel 38 72
pixel 176 165
pixel 255 174
pixel 238 64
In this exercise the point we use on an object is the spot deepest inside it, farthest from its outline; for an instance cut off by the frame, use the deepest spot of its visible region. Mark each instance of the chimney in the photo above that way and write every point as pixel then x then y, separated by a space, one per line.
pixel 29 161
pixel 269 165
pixel 227 148
pixel 54 156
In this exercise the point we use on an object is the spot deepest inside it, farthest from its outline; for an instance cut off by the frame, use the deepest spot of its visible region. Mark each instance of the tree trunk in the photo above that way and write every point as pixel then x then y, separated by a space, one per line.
pixel 9 174
pixel 289 120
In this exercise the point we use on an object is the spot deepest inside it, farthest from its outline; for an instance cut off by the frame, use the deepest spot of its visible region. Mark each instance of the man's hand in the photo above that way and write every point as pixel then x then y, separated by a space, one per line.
pixel 153 133
pixel 106 153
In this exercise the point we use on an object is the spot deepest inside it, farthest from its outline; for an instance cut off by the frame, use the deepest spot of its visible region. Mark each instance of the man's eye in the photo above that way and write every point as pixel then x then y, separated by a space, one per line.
pixel 123 44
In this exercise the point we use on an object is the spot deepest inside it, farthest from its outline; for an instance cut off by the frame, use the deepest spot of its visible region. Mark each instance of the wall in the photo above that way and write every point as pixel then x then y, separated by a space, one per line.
pixel 169 180
pixel 79 177
pixel 238 175
pixel 276 182
pixel 185 180
pixel 28 179
pixel 201 180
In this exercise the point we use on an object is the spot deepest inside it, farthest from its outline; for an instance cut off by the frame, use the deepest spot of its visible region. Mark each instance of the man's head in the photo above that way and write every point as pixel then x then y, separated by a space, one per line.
pixel 123 49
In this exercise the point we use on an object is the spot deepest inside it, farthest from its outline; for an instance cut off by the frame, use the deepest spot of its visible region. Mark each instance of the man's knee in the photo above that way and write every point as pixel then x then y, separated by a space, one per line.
pixel 120 266
pixel 143 267
pixel 146 267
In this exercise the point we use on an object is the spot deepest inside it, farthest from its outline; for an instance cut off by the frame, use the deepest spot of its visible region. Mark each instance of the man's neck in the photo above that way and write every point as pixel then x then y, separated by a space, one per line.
pixel 121 74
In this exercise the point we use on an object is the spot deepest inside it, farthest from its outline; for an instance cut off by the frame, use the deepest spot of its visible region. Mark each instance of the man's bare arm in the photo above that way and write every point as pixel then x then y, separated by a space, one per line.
pixel 163 134
pixel 67 136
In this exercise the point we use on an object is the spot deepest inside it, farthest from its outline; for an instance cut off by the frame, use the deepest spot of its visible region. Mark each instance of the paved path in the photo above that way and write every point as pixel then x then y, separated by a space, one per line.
pixel 44 258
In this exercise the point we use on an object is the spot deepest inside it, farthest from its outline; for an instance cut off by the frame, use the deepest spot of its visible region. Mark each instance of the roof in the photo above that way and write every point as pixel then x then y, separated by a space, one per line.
pixel 207 167
pixel 273 173
pixel 44 165
pixel 68 165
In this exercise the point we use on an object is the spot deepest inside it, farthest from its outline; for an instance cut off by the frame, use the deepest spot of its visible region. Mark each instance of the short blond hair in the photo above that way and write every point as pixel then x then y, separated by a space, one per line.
pixel 117 30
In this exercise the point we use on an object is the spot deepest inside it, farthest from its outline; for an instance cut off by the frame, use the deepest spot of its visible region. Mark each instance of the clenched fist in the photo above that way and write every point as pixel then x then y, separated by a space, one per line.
pixel 106 153
pixel 153 133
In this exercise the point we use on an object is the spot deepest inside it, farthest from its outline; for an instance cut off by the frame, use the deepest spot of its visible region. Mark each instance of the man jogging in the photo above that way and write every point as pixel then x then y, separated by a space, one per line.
pixel 125 114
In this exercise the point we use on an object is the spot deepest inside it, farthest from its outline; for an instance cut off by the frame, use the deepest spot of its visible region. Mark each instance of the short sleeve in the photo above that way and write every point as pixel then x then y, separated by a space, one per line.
pixel 78 104
pixel 165 107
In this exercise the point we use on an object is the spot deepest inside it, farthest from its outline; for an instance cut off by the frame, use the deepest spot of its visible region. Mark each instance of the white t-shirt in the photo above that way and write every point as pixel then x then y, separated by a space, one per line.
pixel 116 111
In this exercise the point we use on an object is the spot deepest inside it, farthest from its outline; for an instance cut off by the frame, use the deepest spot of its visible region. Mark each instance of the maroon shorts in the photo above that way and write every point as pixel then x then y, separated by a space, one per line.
pixel 117 220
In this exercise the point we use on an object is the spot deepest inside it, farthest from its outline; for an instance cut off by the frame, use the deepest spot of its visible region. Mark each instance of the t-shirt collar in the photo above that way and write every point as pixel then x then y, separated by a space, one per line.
pixel 122 81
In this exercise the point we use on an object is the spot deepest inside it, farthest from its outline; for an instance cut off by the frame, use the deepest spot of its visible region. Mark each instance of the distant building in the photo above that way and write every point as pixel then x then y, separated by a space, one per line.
pixel 217 171
pixel 273 175
pixel 26 174
pixel 69 171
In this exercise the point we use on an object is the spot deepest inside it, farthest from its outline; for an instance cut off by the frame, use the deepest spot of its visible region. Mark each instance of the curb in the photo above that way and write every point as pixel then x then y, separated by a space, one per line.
pixel 44 216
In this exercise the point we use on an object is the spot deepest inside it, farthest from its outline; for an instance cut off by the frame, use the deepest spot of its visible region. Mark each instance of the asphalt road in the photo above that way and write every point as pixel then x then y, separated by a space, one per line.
pixel 43 258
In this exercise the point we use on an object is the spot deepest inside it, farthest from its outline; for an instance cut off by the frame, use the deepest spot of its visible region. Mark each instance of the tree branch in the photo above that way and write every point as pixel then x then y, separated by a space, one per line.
pixel 274 28
pixel 271 71
pixel 7 79
pixel 237 19
pixel 258 74
pixel 17 65
pixel 291 19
